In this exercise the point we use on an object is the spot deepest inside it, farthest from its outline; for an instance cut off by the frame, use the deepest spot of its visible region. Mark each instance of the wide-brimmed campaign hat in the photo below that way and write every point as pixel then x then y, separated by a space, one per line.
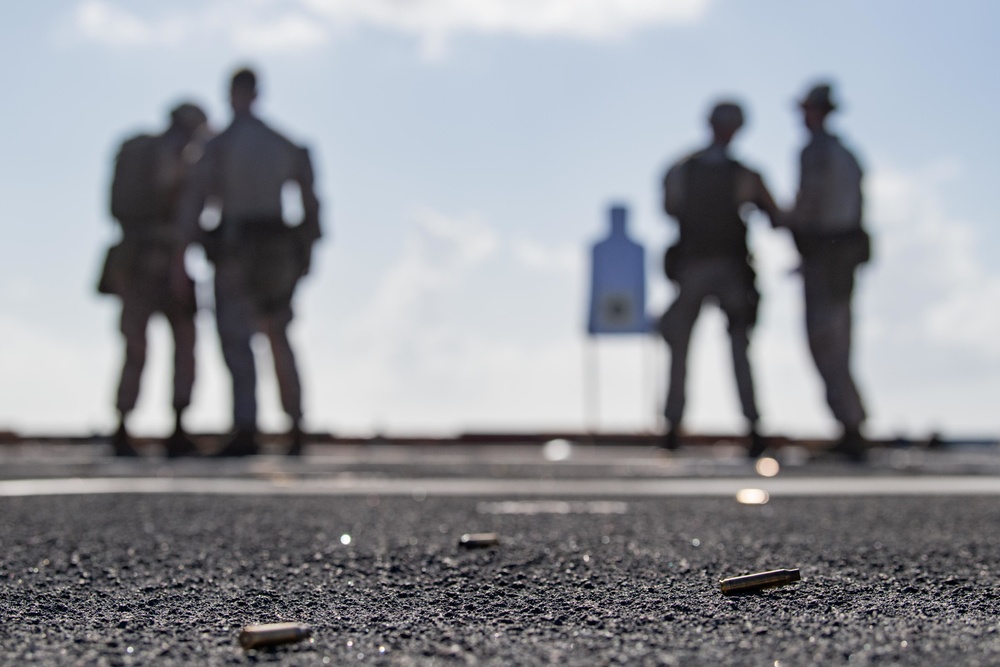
pixel 819 96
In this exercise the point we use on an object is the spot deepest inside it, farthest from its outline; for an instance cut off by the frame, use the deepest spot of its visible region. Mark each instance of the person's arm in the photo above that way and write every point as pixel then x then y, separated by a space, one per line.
pixel 765 202
pixel 750 189
pixel 309 231
pixel 194 195
pixel 310 202
pixel 673 190
pixel 809 200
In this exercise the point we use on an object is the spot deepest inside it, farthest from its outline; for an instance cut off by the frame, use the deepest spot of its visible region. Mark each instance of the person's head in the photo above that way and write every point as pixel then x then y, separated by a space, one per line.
pixel 725 120
pixel 817 105
pixel 243 90
pixel 188 118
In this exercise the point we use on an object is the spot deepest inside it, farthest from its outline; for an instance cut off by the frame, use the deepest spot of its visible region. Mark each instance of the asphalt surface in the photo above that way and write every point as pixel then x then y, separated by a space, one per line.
pixel 360 545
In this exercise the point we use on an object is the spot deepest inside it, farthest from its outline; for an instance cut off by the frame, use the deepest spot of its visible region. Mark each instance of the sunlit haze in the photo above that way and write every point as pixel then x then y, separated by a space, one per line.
pixel 466 155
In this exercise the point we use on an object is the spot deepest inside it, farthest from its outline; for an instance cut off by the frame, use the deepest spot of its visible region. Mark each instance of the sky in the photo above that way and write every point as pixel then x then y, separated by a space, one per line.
pixel 466 155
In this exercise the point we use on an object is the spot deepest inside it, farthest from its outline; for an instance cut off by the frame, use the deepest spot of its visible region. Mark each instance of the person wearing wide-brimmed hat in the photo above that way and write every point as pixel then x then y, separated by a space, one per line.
pixel 826 222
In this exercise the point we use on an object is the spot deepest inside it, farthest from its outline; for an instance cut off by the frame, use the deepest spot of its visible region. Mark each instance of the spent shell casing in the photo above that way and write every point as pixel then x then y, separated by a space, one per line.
pixel 478 540
pixel 273 634
pixel 756 582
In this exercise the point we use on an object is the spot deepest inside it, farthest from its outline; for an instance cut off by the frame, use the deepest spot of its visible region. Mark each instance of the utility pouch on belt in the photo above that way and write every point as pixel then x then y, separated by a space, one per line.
pixel 112 271
pixel 672 259
pixel 273 260
pixel 853 247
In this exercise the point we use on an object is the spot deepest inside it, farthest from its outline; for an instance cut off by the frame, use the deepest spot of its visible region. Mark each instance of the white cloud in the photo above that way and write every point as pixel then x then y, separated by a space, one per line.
pixel 41 381
pixel 101 22
pixel 563 258
pixel 927 262
pixel 408 321
pixel 969 318
pixel 452 338
pixel 440 252
pixel 260 26
pixel 288 32
pixel 434 22
pixel 293 25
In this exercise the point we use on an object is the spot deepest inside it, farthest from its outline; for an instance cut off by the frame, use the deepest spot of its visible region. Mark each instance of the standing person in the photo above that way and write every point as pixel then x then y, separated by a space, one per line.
pixel 706 193
pixel 258 258
pixel 146 269
pixel 826 223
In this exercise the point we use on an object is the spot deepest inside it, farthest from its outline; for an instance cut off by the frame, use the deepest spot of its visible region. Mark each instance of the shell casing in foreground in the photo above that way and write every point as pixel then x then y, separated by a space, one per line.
pixel 478 540
pixel 751 583
pixel 273 634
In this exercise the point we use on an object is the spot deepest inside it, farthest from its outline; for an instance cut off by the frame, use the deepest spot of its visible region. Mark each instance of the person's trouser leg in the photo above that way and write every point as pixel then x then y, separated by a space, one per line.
pixel 236 322
pixel 740 339
pixel 182 326
pixel 734 300
pixel 828 328
pixel 675 326
pixel 286 371
pixel 136 312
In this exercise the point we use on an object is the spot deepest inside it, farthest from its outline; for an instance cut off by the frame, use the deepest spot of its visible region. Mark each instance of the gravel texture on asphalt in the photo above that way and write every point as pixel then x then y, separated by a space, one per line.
pixel 170 580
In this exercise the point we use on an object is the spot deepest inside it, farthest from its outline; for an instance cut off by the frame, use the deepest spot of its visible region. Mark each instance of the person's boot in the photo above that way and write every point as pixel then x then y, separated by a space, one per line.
pixel 852 446
pixel 670 440
pixel 758 445
pixel 121 444
pixel 242 443
pixel 298 438
pixel 179 445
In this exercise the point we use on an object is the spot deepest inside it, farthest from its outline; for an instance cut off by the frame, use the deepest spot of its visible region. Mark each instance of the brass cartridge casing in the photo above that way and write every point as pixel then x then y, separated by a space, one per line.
pixel 273 634
pixel 755 582
pixel 478 540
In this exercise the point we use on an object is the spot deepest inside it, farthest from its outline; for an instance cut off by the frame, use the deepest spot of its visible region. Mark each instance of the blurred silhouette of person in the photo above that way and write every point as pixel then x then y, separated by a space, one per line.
pixel 707 193
pixel 146 268
pixel 826 223
pixel 258 257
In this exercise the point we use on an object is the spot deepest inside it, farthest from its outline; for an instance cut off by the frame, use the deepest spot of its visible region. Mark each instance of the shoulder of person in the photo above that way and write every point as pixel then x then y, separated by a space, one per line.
pixel 820 147
pixel 694 156
pixel 139 139
pixel 840 146
pixel 680 164
pixel 278 134
pixel 742 167
pixel 304 156
pixel 215 144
